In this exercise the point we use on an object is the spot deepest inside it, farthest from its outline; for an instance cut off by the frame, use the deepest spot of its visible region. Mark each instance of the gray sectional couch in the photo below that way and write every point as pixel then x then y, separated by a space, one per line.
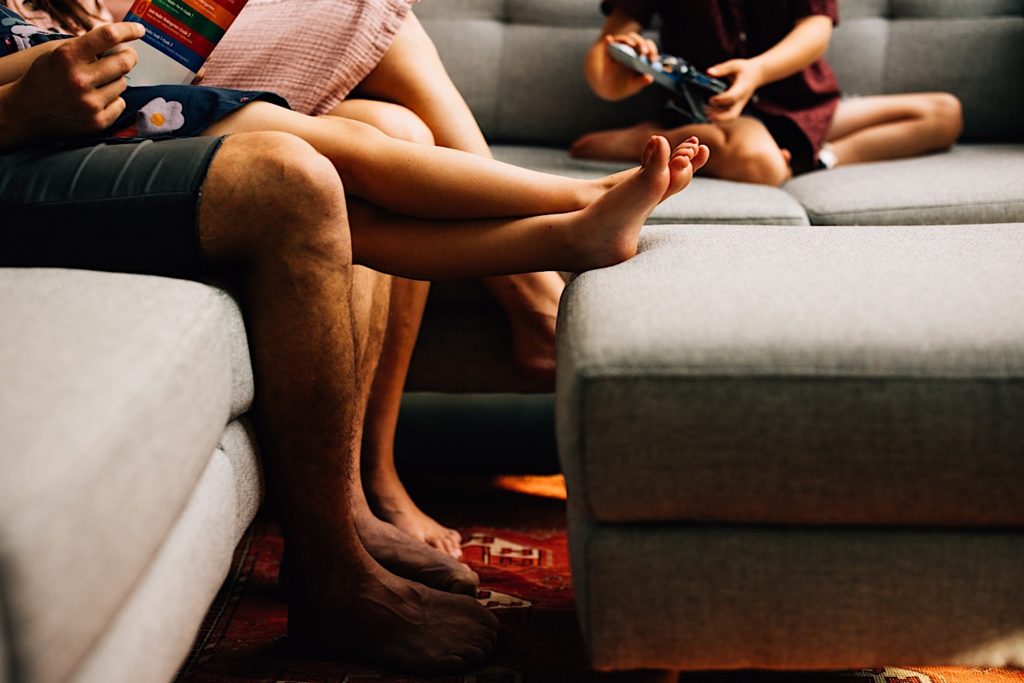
pixel 791 427
pixel 724 512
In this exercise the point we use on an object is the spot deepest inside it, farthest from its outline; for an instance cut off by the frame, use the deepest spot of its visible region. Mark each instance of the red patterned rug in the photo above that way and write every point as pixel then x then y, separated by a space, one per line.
pixel 516 541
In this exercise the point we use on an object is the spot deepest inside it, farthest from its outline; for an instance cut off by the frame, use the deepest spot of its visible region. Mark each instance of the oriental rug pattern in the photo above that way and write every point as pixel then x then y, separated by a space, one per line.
pixel 521 556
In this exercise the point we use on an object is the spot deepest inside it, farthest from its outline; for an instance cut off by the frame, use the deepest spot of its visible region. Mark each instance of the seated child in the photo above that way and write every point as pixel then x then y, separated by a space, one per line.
pixel 782 113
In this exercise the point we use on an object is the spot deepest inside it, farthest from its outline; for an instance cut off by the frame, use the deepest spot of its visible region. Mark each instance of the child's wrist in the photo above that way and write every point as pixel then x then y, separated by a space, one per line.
pixel 758 72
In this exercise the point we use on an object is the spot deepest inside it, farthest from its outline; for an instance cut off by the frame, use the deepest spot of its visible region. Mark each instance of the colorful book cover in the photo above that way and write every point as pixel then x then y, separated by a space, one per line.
pixel 180 35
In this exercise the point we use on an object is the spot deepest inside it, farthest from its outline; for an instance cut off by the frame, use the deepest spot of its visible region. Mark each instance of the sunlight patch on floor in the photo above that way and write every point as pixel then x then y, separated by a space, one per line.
pixel 542 486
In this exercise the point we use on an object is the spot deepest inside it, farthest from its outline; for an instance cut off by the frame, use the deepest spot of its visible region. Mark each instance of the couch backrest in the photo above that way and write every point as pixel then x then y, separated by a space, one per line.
pixel 518 62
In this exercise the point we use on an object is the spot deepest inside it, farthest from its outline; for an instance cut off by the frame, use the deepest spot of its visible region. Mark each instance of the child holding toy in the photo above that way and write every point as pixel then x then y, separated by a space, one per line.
pixel 782 114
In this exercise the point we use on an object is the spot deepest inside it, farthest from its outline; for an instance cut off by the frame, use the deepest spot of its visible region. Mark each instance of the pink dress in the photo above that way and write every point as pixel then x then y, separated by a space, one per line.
pixel 311 52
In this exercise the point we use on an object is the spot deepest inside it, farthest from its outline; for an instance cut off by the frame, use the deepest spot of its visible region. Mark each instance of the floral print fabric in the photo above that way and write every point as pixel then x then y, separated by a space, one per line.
pixel 159 111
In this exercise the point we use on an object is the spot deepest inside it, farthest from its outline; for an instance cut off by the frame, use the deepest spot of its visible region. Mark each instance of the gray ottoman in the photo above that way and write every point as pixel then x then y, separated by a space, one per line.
pixel 798 447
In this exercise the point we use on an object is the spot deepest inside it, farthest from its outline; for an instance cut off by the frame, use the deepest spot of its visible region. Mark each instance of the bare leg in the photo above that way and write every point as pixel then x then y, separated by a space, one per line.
pixel 894 126
pixel 741 150
pixel 393 309
pixel 604 233
pixel 385 493
pixel 308 334
pixel 412 74
pixel 418 180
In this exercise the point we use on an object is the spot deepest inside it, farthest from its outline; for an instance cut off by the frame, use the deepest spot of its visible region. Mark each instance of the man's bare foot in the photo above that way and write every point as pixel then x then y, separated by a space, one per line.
pixel 355 608
pixel 621 144
pixel 607 231
pixel 411 558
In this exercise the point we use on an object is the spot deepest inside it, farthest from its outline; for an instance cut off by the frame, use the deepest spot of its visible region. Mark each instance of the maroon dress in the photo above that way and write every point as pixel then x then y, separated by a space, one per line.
pixel 797 110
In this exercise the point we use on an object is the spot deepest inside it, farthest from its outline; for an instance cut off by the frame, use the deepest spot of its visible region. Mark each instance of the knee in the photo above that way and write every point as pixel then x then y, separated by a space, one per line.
pixel 295 201
pixel 399 122
pixel 761 164
pixel 947 116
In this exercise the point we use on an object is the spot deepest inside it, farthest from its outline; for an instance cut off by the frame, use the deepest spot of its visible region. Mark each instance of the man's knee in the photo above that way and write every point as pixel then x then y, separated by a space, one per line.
pixel 271 192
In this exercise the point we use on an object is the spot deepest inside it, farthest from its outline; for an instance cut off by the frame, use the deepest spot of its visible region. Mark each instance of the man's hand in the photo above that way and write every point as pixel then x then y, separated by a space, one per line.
pixel 747 77
pixel 75 88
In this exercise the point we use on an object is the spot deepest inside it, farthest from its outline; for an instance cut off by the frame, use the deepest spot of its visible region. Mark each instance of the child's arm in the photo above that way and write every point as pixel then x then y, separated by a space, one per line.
pixel 607 78
pixel 14 66
pixel 74 87
pixel 801 47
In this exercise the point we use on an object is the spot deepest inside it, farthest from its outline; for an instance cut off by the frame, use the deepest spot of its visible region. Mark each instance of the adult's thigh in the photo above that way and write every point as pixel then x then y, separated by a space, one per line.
pixel 130 207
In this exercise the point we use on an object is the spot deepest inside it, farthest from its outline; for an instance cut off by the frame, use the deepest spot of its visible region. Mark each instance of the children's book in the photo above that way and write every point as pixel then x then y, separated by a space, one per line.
pixel 180 35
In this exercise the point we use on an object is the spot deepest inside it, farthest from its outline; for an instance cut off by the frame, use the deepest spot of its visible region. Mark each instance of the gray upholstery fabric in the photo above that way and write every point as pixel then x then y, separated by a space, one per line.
pixel 979 60
pixel 788 374
pixel 706 200
pixel 723 597
pixel 531 52
pixel 969 184
pixel 185 573
pixel 954 8
pixel 466 348
pixel 5 664
pixel 972 49
pixel 242 384
pixel 116 389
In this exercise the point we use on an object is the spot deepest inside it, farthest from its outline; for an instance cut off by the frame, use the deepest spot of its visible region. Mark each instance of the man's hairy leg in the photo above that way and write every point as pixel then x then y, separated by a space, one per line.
pixel 273 219
pixel 404 539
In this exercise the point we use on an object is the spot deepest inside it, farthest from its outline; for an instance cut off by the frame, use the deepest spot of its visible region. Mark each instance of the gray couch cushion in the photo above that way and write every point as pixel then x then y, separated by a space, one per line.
pixel 185 573
pixel 704 596
pixel 519 62
pixel 970 184
pixel 972 49
pixel 116 390
pixel 705 201
pixel 770 374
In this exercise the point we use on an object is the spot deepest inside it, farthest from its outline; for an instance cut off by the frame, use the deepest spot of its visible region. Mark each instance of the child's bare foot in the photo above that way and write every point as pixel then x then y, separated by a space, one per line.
pixel 606 183
pixel 410 558
pixel 389 500
pixel 533 345
pixel 681 172
pixel 530 302
pixel 621 144
pixel 607 231
pixel 353 607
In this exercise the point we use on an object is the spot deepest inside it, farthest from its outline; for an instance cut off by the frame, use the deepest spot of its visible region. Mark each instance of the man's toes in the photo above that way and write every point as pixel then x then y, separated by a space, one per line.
pixel 465 585
pixel 485 645
pixel 488 619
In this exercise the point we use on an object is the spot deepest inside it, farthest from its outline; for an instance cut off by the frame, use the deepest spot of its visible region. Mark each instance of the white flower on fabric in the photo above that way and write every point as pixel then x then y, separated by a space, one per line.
pixel 160 117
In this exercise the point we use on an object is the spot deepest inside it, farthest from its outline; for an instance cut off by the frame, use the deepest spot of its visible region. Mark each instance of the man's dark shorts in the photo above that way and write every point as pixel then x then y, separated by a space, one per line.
pixel 130 207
